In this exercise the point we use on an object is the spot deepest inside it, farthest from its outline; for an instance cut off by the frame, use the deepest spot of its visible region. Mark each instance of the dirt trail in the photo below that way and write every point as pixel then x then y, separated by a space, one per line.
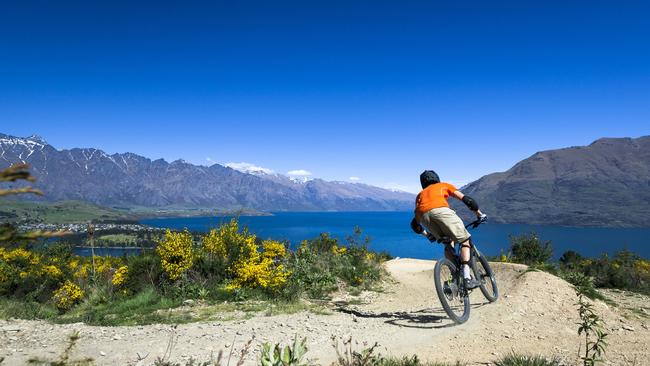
pixel 535 315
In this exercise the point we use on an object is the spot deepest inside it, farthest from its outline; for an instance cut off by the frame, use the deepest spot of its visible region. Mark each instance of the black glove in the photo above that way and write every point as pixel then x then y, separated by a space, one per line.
pixel 416 227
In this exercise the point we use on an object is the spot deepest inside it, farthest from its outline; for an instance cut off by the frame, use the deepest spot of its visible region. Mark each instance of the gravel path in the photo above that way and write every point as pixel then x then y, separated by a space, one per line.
pixel 536 314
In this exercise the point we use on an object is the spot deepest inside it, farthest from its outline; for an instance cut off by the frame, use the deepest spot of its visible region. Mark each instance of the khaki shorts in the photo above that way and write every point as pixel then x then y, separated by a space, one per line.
pixel 443 221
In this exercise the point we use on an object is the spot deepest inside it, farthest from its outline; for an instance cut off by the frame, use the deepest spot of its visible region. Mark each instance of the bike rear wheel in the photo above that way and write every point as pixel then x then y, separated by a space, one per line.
pixel 483 272
pixel 452 295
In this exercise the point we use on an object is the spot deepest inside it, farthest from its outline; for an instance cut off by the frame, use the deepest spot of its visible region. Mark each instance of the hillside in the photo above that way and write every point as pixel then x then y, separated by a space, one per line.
pixel 604 184
pixel 129 180
pixel 57 212
pixel 535 315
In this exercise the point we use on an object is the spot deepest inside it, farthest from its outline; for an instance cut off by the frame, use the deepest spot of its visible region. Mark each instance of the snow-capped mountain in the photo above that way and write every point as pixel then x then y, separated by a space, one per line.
pixel 132 180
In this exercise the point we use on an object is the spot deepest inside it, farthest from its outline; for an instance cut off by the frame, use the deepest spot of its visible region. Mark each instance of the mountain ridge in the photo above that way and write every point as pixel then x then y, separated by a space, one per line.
pixel 129 179
pixel 606 183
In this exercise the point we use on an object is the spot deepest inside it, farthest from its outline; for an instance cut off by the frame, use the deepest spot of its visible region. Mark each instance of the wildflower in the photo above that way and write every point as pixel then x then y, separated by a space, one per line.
pixel 259 270
pixel 67 295
pixel 120 276
pixel 273 249
pixel 51 271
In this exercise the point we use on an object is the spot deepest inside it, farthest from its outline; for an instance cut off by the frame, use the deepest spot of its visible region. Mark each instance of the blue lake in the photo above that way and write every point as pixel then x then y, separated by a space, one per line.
pixel 390 231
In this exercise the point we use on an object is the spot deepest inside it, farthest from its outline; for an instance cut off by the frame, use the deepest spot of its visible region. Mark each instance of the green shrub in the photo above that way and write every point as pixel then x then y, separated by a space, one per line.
pixel 529 249
pixel 319 265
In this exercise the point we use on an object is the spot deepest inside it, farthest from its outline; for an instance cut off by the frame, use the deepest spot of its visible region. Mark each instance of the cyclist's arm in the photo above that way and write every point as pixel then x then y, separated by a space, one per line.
pixel 459 195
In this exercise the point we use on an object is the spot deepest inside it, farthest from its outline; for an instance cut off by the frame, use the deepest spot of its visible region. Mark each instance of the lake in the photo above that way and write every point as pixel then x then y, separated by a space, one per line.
pixel 390 231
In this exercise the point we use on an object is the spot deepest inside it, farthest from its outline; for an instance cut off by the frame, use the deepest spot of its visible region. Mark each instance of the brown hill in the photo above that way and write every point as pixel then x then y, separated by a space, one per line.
pixel 604 184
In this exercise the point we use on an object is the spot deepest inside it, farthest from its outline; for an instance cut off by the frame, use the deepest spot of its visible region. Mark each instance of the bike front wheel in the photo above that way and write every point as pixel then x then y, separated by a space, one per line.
pixel 452 295
pixel 483 272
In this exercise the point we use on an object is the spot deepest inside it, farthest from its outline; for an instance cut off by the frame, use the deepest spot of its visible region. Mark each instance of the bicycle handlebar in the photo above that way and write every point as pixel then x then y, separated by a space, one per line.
pixel 474 224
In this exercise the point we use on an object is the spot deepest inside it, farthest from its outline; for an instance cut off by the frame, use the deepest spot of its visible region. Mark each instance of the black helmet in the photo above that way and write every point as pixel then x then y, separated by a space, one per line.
pixel 428 177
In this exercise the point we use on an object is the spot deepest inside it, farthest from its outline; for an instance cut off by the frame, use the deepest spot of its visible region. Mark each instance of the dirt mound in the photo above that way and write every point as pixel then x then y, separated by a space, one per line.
pixel 536 314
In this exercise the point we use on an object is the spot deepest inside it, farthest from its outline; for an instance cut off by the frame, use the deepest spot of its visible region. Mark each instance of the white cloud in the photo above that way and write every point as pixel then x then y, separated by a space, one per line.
pixel 299 173
pixel 209 160
pixel 249 168
pixel 354 179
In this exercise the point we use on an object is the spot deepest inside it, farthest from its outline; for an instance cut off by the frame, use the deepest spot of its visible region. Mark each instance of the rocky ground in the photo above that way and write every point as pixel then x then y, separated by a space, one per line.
pixel 536 314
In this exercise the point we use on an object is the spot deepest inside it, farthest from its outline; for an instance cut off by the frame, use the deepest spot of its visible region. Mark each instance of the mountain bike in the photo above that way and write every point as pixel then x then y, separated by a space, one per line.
pixel 448 277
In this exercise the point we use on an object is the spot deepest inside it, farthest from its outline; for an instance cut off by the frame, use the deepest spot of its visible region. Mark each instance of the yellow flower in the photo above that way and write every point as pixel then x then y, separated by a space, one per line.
pixel 15 255
pixel 273 249
pixel 120 276
pixel 23 274
pixel 642 265
pixel 50 270
pixel 83 270
pixel 73 264
pixel 175 252
pixel 256 270
pixel 67 295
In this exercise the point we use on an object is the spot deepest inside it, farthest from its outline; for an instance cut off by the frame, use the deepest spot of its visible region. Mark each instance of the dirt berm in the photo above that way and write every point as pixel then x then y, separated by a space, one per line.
pixel 536 314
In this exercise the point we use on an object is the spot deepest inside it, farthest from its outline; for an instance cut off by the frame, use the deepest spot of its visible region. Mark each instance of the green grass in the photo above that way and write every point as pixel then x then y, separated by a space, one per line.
pixel 526 360
pixel 58 212
pixel 119 239
pixel 149 307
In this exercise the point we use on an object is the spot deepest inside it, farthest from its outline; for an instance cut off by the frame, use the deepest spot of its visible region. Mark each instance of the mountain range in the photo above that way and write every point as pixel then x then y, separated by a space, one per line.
pixel 605 184
pixel 130 180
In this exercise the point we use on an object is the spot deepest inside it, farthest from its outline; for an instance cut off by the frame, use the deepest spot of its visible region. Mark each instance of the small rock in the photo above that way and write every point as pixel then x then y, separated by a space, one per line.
pixel 117 337
pixel 10 328
pixel 102 353
pixel 628 328
pixel 142 355
pixel 188 302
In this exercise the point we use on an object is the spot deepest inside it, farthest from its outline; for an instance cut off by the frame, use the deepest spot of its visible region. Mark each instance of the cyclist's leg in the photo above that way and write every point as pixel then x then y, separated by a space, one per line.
pixel 431 225
pixel 450 253
pixel 453 227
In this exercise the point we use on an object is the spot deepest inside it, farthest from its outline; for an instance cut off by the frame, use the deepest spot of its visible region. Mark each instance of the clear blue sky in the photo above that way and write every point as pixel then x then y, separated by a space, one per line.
pixel 371 89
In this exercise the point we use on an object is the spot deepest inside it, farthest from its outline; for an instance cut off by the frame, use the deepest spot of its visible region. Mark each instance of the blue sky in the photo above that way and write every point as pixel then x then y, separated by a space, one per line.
pixel 377 90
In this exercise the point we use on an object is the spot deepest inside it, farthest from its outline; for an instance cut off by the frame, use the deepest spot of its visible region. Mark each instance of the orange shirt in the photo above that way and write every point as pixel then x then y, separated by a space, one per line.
pixel 434 196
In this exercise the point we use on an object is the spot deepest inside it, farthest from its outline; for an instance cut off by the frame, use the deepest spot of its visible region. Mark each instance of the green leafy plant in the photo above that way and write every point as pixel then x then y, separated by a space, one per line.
pixel 288 356
pixel 350 357
pixel 591 326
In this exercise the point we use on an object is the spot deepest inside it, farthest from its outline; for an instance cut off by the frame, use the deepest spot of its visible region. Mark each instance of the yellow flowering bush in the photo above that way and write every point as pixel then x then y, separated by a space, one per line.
pixel 259 270
pixel 273 249
pixel 219 241
pixel 51 271
pixel 67 295
pixel 175 252
pixel 336 250
pixel 120 276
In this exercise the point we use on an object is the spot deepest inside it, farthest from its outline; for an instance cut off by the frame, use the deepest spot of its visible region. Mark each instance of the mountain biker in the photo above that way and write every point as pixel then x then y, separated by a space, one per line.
pixel 432 213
